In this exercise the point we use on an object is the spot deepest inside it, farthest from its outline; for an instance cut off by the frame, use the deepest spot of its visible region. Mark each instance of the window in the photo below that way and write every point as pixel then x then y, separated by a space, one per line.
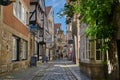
pixel 98 46
pixel 26 18
pixel 82 48
pixel 24 50
pixel 16 48
pixel 20 12
pixel 15 9
pixel 87 49
pixel 69 27
pixel 23 14
pixel 35 48
pixel 31 46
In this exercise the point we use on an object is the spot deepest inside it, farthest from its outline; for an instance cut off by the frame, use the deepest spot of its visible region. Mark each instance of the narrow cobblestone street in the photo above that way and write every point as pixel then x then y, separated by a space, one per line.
pixel 59 39
pixel 53 70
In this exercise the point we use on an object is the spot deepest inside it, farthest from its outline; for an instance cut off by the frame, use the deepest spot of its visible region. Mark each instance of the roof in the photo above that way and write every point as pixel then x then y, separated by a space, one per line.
pixel 48 9
pixel 56 26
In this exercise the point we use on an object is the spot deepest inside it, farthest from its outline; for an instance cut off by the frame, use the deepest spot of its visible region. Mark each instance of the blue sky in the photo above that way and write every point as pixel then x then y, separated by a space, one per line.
pixel 57 6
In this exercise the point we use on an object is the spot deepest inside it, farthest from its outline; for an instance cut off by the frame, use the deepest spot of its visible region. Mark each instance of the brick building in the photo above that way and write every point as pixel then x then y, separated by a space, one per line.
pixel 14 36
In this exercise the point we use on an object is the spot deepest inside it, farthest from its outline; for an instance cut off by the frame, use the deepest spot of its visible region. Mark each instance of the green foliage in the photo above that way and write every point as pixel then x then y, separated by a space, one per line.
pixel 98 14
pixel 69 10
pixel 105 46
pixel 104 63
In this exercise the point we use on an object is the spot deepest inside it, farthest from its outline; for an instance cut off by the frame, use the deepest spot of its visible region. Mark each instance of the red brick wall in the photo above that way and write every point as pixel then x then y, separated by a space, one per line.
pixel 12 21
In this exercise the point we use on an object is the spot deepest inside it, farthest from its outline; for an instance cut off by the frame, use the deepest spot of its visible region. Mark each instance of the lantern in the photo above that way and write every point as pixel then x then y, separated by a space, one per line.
pixel 6 2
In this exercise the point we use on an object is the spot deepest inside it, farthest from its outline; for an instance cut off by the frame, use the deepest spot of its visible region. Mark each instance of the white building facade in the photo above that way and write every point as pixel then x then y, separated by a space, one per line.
pixel 50 37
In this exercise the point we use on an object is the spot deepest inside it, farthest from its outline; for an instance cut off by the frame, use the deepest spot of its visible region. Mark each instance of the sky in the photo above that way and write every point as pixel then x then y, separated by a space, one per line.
pixel 57 6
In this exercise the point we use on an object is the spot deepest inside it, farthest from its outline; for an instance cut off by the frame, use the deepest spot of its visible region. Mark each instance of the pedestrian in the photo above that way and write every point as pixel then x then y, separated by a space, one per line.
pixel 46 59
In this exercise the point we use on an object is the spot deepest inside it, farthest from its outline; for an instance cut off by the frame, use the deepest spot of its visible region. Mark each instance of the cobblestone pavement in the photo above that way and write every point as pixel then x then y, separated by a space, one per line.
pixel 53 70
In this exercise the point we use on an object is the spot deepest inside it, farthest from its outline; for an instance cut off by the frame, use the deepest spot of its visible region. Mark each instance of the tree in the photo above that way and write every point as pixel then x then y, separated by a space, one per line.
pixel 98 14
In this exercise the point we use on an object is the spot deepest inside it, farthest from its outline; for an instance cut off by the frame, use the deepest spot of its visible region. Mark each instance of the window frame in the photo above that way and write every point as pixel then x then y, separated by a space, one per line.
pixel 16 48
pixel 19 10
pixel 87 49
pixel 25 50
pixel 98 50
